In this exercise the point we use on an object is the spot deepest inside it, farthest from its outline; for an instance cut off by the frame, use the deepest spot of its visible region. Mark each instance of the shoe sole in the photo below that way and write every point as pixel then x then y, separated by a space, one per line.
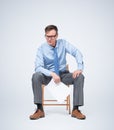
pixel 78 118
pixel 37 118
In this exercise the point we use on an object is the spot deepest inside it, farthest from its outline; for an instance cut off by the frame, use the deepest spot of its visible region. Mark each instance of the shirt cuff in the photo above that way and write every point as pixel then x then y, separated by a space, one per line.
pixel 80 66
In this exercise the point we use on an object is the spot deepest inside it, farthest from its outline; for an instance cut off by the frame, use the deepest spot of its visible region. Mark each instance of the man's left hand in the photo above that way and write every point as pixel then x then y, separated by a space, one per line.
pixel 76 73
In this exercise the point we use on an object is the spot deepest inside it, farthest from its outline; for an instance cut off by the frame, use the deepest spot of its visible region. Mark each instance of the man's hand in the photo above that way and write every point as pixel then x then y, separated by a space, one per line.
pixel 76 73
pixel 55 77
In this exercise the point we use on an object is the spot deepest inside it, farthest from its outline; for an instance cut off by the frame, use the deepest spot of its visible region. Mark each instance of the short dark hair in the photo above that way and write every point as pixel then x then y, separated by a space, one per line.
pixel 51 27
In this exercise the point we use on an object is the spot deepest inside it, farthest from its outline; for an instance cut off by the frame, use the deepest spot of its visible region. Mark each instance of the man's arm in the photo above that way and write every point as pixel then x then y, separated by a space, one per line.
pixel 39 63
pixel 76 54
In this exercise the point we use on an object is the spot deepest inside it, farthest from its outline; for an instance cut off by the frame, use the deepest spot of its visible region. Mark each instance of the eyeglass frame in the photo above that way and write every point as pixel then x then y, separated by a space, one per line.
pixel 51 36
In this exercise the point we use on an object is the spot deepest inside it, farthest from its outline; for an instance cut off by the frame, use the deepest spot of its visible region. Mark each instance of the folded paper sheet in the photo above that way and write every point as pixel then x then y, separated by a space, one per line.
pixel 59 91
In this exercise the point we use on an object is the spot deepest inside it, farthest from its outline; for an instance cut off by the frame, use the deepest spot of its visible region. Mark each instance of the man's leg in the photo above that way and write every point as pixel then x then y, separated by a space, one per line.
pixel 37 80
pixel 78 84
pixel 78 98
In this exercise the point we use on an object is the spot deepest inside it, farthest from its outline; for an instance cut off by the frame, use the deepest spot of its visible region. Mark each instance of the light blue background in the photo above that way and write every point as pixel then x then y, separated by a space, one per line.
pixel 89 25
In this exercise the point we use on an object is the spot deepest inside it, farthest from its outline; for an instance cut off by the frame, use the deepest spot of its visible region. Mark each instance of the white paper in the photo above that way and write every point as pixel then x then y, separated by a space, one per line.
pixel 59 91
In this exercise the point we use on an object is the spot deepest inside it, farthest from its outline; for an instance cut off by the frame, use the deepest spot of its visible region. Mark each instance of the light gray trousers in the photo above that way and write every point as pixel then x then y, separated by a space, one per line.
pixel 66 77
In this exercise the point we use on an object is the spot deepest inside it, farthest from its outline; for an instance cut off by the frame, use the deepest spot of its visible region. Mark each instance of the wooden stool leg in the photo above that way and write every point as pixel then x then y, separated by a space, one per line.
pixel 69 105
pixel 43 95
pixel 67 102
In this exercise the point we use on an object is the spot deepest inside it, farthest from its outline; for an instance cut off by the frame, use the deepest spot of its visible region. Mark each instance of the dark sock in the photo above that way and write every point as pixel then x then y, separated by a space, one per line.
pixel 39 106
pixel 75 108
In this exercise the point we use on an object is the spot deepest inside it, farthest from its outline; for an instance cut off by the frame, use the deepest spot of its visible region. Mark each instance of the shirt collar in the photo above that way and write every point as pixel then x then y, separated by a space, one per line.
pixel 51 46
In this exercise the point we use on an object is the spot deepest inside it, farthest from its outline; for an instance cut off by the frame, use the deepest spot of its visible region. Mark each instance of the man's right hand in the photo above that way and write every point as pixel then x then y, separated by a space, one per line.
pixel 55 77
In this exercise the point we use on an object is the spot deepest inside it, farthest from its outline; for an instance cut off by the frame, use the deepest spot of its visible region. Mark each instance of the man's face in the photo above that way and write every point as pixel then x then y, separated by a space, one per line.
pixel 51 37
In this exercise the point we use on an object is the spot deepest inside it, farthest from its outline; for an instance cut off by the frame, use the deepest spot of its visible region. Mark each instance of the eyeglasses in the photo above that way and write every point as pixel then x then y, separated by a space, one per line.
pixel 51 36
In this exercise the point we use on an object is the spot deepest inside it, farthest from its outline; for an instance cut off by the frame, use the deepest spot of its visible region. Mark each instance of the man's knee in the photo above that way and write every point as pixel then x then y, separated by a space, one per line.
pixel 79 81
pixel 37 76
pixel 80 78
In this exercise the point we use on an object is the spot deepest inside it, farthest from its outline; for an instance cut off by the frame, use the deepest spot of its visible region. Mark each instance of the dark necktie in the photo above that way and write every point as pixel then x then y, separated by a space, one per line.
pixel 56 61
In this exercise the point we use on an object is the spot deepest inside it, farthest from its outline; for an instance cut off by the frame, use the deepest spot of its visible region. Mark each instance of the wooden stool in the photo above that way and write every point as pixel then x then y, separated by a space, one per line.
pixel 51 102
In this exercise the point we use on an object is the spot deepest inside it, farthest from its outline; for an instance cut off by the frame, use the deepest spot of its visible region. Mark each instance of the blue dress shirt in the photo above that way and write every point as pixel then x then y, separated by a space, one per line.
pixel 44 62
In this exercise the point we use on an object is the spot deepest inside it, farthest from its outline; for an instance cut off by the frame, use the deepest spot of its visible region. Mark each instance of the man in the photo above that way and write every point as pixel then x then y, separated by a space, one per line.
pixel 51 64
